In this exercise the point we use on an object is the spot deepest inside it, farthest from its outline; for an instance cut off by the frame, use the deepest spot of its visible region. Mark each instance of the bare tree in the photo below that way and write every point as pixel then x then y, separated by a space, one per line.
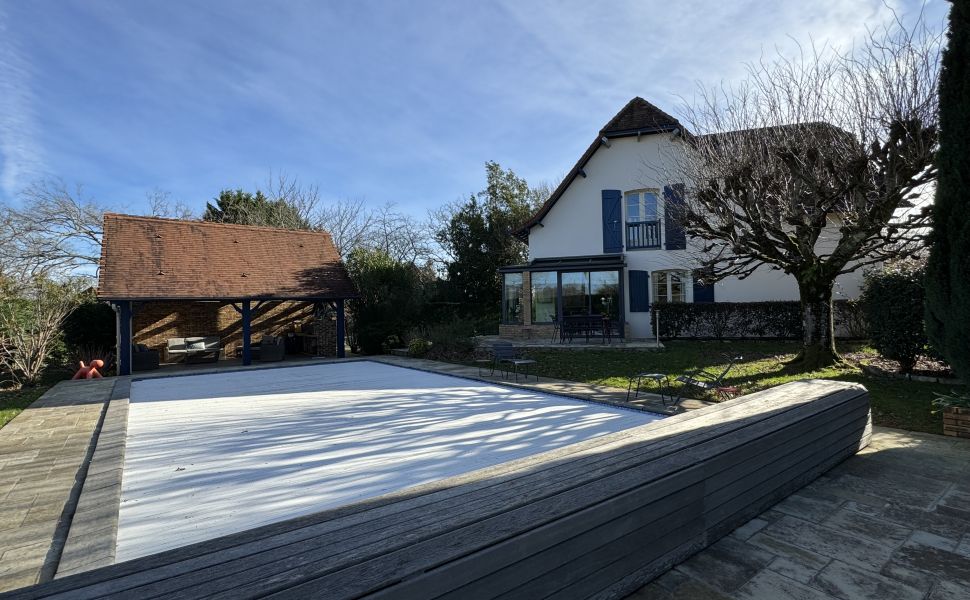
pixel 160 204
pixel 31 315
pixel 813 166
pixel 291 197
pixel 401 236
pixel 348 222
pixel 57 231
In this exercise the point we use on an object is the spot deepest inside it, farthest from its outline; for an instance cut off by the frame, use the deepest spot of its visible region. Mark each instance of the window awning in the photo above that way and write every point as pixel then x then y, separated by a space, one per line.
pixel 598 262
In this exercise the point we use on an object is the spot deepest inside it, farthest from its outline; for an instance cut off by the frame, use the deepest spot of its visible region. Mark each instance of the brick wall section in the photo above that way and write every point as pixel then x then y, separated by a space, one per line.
pixel 526 332
pixel 155 322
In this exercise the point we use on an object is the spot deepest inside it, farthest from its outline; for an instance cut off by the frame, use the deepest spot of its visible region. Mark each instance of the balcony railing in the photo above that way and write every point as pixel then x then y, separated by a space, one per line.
pixel 643 234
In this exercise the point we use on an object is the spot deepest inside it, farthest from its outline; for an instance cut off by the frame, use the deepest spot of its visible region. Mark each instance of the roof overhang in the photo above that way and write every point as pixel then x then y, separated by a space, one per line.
pixel 603 262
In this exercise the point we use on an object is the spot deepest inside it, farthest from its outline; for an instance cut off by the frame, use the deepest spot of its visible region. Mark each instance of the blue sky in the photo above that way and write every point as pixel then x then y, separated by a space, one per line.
pixel 391 101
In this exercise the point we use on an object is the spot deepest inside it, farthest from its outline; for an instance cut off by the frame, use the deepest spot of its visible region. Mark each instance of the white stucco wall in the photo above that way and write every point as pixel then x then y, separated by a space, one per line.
pixel 574 226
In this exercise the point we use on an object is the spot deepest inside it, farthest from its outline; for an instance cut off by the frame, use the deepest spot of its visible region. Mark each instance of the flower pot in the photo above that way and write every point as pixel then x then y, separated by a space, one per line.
pixel 956 421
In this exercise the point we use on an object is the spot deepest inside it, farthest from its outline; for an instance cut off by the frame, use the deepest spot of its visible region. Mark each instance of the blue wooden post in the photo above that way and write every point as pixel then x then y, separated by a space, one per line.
pixel 340 328
pixel 124 337
pixel 246 317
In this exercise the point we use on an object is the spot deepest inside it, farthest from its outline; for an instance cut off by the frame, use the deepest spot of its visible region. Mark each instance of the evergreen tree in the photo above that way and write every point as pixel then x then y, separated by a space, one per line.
pixel 244 208
pixel 477 234
pixel 948 270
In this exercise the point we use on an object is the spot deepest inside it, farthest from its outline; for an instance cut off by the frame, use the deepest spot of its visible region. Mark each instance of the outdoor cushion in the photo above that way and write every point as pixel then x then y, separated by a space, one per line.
pixel 195 343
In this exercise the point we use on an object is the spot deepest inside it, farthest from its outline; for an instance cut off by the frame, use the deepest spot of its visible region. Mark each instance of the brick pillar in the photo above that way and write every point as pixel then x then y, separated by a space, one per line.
pixel 326 330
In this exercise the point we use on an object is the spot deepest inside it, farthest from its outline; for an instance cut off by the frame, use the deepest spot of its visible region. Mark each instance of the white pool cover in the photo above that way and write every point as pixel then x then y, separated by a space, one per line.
pixel 209 455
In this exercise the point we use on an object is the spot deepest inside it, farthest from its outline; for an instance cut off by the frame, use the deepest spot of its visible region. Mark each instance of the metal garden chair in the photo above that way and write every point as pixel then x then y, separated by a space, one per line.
pixel 707 381
pixel 504 353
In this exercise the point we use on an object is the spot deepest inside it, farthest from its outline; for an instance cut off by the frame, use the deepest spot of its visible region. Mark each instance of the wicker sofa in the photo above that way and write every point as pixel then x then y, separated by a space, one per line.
pixel 194 349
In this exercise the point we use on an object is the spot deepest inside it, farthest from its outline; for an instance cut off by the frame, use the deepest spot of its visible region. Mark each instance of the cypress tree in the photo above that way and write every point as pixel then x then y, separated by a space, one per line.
pixel 948 270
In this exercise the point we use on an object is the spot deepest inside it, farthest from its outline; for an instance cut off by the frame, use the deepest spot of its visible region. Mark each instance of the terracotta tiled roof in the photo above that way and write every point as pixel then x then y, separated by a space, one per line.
pixel 637 117
pixel 152 258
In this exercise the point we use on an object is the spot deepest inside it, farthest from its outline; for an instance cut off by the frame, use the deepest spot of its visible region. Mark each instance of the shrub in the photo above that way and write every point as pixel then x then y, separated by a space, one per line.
pixel 451 339
pixel 31 316
pixel 90 325
pixel 850 314
pixel 728 320
pixel 418 347
pixel 893 303
pixel 393 297
pixel 740 320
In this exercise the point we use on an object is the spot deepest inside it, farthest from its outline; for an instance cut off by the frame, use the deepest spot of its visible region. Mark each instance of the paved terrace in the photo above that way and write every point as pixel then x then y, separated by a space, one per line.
pixel 892 522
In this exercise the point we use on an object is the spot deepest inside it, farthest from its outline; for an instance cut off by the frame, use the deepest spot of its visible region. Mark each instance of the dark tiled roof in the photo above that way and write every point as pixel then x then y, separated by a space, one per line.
pixel 152 258
pixel 637 117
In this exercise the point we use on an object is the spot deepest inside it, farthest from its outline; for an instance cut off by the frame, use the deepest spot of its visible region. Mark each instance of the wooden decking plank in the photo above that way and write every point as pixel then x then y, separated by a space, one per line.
pixel 535 574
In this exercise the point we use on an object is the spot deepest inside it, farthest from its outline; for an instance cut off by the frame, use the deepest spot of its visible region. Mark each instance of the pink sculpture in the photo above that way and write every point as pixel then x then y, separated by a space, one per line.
pixel 89 372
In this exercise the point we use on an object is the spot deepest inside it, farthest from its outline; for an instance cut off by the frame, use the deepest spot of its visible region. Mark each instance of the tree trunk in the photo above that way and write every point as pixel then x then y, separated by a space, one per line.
pixel 818 338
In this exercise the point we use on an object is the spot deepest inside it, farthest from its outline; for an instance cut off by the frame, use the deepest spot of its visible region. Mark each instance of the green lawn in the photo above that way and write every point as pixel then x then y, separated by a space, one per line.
pixel 895 402
pixel 12 402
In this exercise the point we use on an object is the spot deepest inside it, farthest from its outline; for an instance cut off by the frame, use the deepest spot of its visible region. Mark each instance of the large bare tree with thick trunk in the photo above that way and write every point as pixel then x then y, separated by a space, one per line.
pixel 814 166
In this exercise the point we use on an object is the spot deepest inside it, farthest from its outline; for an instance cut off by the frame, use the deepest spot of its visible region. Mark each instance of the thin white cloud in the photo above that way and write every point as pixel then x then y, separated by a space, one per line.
pixel 21 157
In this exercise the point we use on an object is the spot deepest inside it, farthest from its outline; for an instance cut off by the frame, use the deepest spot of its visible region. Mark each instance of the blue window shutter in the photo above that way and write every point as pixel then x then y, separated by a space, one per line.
pixel 703 289
pixel 612 222
pixel 639 291
pixel 674 235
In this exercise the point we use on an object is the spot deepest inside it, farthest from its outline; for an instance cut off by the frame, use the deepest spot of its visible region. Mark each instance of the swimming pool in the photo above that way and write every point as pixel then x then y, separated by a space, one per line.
pixel 208 455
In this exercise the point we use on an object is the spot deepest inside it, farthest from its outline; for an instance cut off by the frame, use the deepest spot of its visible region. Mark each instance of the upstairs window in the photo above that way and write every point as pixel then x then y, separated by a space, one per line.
pixel 642 220
pixel 641 206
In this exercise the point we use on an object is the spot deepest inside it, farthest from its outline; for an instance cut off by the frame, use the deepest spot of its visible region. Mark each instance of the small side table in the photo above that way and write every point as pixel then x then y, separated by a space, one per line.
pixel 661 379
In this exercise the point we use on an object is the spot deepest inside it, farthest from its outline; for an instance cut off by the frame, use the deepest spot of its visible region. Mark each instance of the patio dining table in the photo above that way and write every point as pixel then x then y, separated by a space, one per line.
pixel 586 326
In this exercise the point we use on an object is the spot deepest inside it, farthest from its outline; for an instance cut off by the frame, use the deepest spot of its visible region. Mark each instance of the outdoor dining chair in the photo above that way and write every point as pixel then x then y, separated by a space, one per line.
pixel 505 354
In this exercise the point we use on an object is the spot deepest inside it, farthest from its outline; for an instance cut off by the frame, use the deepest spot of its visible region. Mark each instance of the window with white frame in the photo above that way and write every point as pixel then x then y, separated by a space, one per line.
pixel 642 219
pixel 670 286
pixel 641 206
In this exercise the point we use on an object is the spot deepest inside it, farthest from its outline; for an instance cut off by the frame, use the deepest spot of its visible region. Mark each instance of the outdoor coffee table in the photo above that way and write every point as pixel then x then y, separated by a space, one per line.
pixel 661 379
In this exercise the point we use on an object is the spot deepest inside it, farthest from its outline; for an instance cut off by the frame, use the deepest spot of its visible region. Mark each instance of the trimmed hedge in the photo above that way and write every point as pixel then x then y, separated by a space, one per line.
pixel 894 300
pixel 742 320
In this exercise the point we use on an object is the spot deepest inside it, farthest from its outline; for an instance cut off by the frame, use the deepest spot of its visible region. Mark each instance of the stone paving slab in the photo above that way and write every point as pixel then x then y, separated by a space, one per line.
pixel 41 451
pixel 892 522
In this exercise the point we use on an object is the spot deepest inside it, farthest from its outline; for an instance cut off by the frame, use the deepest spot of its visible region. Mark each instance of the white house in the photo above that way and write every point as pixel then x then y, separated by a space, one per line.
pixel 602 243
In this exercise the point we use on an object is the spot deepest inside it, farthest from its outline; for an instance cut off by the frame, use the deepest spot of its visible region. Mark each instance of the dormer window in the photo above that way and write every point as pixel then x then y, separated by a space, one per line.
pixel 642 219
